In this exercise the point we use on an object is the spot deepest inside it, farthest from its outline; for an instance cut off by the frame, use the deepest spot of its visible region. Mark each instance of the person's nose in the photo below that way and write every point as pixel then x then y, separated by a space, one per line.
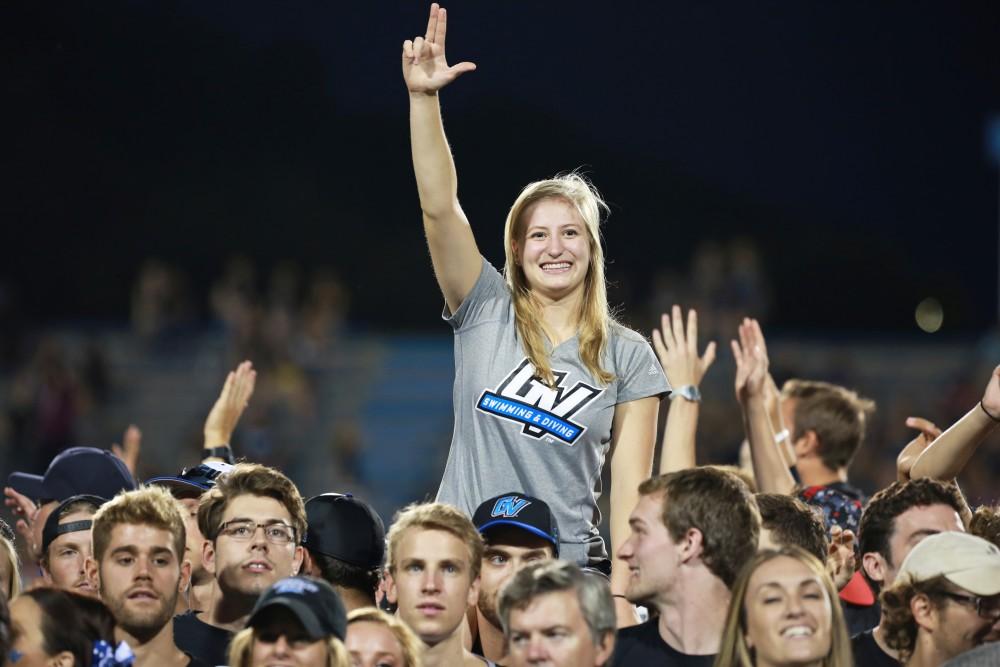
pixel 431 581
pixel 537 651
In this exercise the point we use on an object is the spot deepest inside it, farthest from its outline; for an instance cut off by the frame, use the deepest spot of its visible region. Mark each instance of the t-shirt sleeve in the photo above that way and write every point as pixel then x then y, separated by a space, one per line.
pixel 639 370
pixel 489 300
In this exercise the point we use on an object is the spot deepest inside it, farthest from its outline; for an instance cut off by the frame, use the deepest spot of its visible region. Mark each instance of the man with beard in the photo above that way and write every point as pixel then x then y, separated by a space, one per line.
pixel 66 545
pixel 140 568
pixel 518 530
pixel 253 521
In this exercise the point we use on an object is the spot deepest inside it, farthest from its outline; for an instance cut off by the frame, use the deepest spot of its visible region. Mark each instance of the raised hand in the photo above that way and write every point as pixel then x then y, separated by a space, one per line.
pixel 991 397
pixel 24 509
pixel 928 434
pixel 425 69
pixel 229 407
pixel 751 361
pixel 840 560
pixel 129 451
pixel 678 350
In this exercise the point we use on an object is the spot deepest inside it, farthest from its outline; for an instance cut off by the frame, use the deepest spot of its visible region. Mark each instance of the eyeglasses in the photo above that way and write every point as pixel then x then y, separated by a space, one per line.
pixel 986 607
pixel 243 530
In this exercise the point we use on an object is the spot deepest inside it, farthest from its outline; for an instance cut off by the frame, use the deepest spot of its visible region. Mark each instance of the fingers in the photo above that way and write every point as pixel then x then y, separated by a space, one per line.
pixel 461 68
pixel 408 51
pixel 133 437
pixel 659 346
pixel 418 49
pixel 442 28
pixel 432 22
pixel 737 353
pixel 709 357
pixel 692 332
pixel 925 426
pixel 677 322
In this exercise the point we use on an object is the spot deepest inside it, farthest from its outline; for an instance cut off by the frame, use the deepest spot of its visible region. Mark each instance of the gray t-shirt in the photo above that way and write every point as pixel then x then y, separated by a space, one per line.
pixel 512 433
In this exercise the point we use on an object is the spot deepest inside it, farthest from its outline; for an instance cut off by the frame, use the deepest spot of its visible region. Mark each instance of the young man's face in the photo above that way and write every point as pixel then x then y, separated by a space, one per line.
pixel 195 540
pixel 141 576
pixel 67 557
pixel 432 582
pixel 649 552
pixel 954 624
pixel 247 560
pixel 508 549
pixel 909 529
pixel 552 631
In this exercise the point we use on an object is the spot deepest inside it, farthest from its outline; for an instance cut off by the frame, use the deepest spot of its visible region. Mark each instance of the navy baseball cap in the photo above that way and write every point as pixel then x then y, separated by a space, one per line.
pixel 520 511
pixel 193 481
pixel 313 601
pixel 346 528
pixel 53 528
pixel 75 471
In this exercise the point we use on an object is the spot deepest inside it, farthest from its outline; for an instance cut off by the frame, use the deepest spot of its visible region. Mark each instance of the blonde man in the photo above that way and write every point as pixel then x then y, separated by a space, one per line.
pixel 139 565
pixel 435 554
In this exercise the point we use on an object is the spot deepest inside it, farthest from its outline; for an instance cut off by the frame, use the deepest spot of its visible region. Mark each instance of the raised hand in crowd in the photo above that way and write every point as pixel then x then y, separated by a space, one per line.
pixel 841 560
pixel 770 469
pixel 129 450
pixel 948 454
pixel 914 448
pixel 26 511
pixel 677 349
pixel 226 412
pixel 425 68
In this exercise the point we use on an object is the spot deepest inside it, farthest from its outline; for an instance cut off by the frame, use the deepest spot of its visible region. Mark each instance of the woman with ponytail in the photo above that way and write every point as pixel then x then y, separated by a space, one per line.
pixel 547 383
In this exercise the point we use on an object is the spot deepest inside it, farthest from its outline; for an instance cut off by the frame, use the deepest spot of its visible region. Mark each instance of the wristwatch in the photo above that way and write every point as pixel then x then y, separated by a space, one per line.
pixel 223 452
pixel 688 391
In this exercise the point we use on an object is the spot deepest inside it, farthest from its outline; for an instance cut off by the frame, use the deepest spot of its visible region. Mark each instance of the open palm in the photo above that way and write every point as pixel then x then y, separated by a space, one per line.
pixel 425 68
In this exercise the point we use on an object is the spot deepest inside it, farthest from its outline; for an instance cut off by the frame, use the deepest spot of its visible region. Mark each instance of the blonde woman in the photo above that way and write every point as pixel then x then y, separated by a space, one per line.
pixel 376 639
pixel 547 382
pixel 298 620
pixel 10 564
pixel 784 611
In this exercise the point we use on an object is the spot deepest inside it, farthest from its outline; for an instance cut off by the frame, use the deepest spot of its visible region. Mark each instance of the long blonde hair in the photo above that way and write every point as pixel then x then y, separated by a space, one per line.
pixel 595 319
pixel 734 652
pixel 241 650
pixel 410 644
pixel 8 548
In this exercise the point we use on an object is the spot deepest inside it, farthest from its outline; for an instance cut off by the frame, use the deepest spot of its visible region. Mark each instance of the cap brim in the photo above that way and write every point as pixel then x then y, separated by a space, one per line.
pixel 979 580
pixel 28 485
pixel 523 526
pixel 177 483
pixel 306 617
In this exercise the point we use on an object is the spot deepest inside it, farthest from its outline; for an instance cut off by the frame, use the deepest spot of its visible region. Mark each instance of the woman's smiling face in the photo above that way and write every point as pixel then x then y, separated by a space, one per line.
pixel 554 249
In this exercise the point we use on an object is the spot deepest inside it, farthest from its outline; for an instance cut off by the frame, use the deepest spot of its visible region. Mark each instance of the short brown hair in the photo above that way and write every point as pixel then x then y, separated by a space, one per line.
pixel 878 520
pixel 719 505
pixel 250 479
pixel 835 414
pixel 435 516
pixel 898 625
pixel 792 522
pixel 147 505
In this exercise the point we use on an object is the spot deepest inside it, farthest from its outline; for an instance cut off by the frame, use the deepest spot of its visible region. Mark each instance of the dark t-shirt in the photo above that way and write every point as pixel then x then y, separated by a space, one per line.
pixel 867 652
pixel 859 618
pixel 201 640
pixel 196 662
pixel 642 645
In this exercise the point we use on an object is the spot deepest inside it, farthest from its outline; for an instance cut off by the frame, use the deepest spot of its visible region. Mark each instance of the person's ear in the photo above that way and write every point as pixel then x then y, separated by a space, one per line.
pixel 62 659
pixel 308 563
pixel 391 594
pixel 691 545
pixel 208 556
pixel 605 649
pixel 473 596
pixel 924 613
pixel 185 578
pixel 92 571
pixel 874 565
pixel 297 560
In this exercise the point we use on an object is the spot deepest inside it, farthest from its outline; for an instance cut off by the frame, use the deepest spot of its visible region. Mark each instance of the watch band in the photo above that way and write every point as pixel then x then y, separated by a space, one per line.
pixel 223 452
pixel 688 392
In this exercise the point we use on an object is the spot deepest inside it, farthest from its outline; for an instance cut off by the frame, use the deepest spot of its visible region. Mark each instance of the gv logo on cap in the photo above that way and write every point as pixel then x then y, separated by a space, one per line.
pixel 295 586
pixel 509 506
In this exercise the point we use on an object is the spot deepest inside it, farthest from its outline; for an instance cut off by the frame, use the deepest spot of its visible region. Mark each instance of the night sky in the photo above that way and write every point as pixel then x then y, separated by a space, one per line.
pixel 847 139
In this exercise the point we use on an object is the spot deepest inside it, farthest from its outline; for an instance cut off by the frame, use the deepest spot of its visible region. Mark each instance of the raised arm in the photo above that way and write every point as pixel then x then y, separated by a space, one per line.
pixel 769 468
pixel 948 454
pixel 453 248
pixel 227 410
pixel 677 350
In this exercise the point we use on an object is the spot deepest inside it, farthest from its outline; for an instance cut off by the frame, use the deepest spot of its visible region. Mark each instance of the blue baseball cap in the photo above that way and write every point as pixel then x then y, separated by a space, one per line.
pixel 76 471
pixel 193 481
pixel 520 511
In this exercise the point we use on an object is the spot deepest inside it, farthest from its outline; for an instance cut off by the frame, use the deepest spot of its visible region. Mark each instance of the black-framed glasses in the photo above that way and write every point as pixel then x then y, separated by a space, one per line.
pixel 243 530
pixel 987 607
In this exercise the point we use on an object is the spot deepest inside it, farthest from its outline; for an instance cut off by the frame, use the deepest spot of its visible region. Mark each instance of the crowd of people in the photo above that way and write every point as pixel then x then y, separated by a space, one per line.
pixel 781 561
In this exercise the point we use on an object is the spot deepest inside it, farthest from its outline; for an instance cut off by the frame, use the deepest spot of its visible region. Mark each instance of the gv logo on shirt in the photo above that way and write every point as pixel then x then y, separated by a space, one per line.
pixel 544 411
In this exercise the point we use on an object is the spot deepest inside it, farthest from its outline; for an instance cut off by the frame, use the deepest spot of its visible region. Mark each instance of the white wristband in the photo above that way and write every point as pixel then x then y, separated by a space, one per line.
pixel 781 436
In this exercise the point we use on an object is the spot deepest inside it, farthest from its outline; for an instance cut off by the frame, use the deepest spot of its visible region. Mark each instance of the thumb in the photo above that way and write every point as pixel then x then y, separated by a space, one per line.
pixel 462 68
pixel 117 450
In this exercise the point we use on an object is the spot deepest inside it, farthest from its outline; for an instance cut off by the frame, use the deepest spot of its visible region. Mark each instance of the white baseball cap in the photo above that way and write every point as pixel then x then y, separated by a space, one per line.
pixel 965 560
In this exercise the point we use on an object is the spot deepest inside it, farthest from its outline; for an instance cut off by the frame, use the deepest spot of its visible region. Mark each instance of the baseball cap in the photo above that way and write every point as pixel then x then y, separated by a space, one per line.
pixel 965 560
pixel 75 471
pixel 313 601
pixel 346 528
pixel 520 511
pixel 54 529
pixel 193 481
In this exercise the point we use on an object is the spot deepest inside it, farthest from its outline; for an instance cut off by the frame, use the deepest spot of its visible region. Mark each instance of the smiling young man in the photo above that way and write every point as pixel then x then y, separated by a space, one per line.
pixel 139 564
pixel 945 599
pixel 518 530
pixel 253 521
pixel 555 614
pixel 691 532
pixel 66 544
pixel 434 561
